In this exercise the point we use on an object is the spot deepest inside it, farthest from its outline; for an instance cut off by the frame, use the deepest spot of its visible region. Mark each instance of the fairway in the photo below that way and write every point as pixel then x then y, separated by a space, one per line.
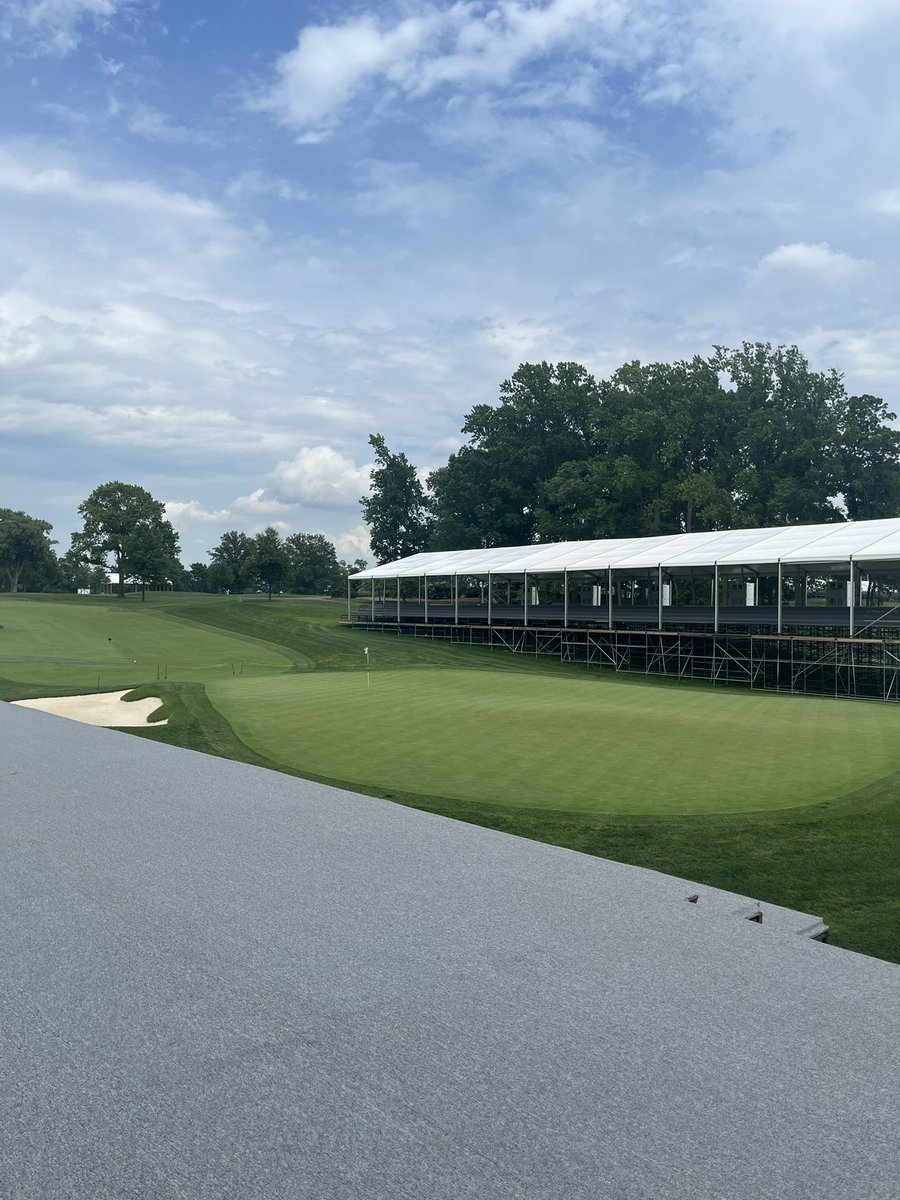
pixel 575 744
pixel 103 645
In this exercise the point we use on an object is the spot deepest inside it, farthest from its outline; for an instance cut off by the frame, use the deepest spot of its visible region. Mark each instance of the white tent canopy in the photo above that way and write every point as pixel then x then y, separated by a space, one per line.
pixel 835 545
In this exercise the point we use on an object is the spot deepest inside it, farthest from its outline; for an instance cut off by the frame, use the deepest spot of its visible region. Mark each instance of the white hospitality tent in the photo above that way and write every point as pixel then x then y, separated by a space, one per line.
pixel 836 547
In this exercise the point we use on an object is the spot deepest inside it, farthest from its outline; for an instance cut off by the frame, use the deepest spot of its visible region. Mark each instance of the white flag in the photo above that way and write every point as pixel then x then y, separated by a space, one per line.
pixel 366 651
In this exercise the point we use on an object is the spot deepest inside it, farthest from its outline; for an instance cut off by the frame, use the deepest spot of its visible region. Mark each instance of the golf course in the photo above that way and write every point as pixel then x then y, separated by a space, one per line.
pixel 794 800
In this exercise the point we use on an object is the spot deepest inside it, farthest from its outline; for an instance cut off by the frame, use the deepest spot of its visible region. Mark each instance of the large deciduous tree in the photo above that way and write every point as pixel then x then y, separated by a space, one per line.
pixel 152 554
pixel 786 431
pixel 232 559
pixel 868 458
pixel 125 524
pixel 313 566
pixel 270 561
pixel 25 547
pixel 396 510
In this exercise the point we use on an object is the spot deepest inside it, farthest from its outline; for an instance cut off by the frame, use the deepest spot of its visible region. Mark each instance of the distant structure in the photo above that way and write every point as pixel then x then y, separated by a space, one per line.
pixel 222 981
pixel 797 608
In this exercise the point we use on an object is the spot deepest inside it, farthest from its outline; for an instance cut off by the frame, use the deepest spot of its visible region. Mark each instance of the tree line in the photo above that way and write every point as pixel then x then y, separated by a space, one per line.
pixel 125 531
pixel 748 437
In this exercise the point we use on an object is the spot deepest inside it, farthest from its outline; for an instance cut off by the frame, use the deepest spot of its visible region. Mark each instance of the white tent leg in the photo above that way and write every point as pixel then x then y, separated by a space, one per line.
pixel 715 598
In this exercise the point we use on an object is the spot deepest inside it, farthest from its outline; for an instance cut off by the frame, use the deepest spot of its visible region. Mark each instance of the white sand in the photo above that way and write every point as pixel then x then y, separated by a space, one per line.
pixel 102 708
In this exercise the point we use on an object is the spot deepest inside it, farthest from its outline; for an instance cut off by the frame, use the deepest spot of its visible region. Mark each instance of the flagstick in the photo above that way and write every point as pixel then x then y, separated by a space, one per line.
pixel 368 677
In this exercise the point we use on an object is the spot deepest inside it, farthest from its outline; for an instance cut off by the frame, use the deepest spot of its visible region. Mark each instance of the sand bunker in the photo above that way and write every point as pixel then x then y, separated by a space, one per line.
pixel 102 708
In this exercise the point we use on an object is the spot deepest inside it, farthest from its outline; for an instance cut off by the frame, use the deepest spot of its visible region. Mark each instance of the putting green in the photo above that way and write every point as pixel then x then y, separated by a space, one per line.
pixel 589 744
pixel 104 645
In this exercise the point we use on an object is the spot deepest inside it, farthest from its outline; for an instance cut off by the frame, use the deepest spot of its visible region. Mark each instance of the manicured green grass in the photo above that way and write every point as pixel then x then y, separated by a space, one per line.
pixel 838 857
pixel 101 644
pixel 583 744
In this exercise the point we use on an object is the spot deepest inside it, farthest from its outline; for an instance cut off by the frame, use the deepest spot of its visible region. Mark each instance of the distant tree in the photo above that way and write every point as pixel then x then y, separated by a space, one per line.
pixel 220 577
pixel 269 563
pixel 75 571
pixel 396 510
pixel 468 508
pixel 313 566
pixel 198 574
pixel 235 550
pixel 786 429
pixel 26 550
pixel 868 458
pixel 152 553
pixel 121 519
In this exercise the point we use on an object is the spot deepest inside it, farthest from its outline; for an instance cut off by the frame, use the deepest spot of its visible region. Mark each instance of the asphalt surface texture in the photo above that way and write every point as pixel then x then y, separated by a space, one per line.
pixel 220 982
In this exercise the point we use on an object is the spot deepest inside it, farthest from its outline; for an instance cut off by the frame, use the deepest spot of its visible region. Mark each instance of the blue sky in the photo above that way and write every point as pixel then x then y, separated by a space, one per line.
pixel 237 238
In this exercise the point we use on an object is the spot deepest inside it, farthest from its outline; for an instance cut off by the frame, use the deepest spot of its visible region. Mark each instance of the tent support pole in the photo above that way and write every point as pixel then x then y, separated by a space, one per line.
pixel 489 597
pixel 456 599
pixel 715 597
pixel 659 597
pixel 426 599
pixel 398 599
pixel 609 598
pixel 348 599
pixel 779 595
pixel 525 596
pixel 852 597
pixel 373 598
pixel 565 598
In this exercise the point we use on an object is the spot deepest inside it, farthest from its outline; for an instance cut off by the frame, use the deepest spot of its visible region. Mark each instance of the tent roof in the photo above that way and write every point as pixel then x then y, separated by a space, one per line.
pixel 833 544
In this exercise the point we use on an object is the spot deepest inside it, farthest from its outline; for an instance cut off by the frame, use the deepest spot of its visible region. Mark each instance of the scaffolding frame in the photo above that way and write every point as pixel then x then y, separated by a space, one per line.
pixel 808 662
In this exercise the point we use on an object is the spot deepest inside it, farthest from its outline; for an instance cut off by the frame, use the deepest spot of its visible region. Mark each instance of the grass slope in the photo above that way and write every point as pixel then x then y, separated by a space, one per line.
pixel 839 857
pixel 66 644
pixel 586 743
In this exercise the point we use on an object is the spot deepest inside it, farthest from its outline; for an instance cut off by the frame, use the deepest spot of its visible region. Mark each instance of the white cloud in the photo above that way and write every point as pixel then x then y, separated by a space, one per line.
pixel 466 44
pixel 321 475
pixel 54 27
pixel 811 263
pixel 182 512
pixel 258 504
pixel 156 126
pixel 153 427
pixel 887 202
pixel 20 176
pixel 352 543
pixel 250 184
pixel 404 190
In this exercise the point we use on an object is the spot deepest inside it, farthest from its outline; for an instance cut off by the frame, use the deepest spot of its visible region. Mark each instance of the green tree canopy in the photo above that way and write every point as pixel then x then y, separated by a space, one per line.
pixel 233 556
pixel 396 510
pixel 269 563
pixel 745 437
pixel 124 525
pixel 313 565
pixel 26 550
pixel 152 553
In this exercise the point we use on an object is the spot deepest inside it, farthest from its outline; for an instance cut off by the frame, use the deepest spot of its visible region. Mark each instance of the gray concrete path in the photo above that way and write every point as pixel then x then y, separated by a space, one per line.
pixel 217 981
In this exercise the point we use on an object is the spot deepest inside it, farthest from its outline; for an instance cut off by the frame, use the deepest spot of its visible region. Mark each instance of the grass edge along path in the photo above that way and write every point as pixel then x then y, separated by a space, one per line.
pixel 838 859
